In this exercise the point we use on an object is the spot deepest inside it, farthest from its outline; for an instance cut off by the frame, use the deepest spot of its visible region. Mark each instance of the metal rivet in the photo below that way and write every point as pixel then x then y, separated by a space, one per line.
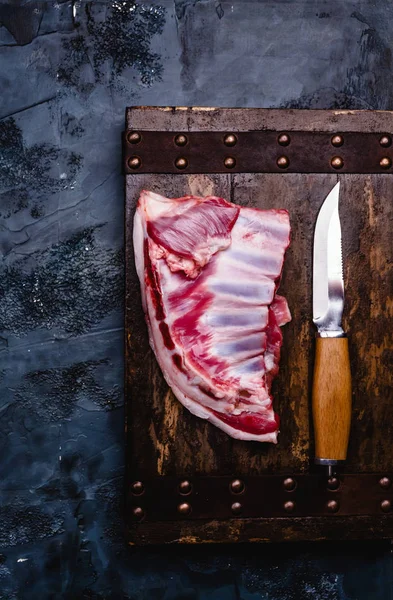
pixel 385 141
pixel 184 508
pixel 236 508
pixel 284 139
pixel 283 162
pixel 289 506
pixel 385 483
pixel 386 506
pixel 185 487
pixel 337 140
pixel 337 162
pixel 230 139
pixel 134 137
pixel 332 506
pixel 138 513
pixel 289 484
pixel 137 488
pixel 229 162
pixel 385 162
pixel 237 486
pixel 181 163
pixel 181 140
pixel 333 483
pixel 134 162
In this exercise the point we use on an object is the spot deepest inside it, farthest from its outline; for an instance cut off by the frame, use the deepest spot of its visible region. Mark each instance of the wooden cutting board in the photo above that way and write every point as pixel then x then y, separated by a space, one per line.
pixel 166 445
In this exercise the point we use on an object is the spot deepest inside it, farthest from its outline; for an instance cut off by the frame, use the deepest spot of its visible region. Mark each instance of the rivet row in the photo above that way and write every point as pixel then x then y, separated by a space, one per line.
pixel 230 139
pixel 185 508
pixel 237 487
pixel 181 163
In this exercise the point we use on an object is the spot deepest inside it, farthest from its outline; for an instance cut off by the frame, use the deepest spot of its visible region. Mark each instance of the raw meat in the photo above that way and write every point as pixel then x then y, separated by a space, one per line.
pixel 209 271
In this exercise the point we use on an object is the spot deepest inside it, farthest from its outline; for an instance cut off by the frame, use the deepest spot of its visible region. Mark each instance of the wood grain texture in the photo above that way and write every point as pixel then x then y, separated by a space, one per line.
pixel 367 218
pixel 331 398
pixel 246 119
pixel 262 530
pixel 164 438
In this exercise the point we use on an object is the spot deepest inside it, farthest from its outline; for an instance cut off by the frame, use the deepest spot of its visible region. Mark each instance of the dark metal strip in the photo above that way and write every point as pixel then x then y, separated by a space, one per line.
pixel 257 152
pixel 171 498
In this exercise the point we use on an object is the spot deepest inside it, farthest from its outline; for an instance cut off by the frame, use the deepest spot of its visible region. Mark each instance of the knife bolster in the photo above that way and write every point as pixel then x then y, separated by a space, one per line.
pixel 331 398
pixel 327 333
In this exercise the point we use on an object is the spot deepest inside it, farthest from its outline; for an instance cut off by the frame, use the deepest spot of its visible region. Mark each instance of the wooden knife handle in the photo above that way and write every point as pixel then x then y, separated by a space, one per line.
pixel 331 398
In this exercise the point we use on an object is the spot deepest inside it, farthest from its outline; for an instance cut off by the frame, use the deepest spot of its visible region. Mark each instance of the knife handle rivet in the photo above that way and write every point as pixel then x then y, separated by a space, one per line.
pixel 181 163
pixel 181 140
pixel 237 486
pixel 289 484
pixel 333 483
pixel 332 506
pixel 236 508
pixel 289 506
pixel 386 506
pixel 137 488
pixel 385 141
pixel 229 162
pixel 185 487
pixel 337 140
pixel 284 139
pixel 385 483
pixel 283 162
pixel 134 162
pixel 230 139
pixel 134 137
pixel 385 162
pixel 337 162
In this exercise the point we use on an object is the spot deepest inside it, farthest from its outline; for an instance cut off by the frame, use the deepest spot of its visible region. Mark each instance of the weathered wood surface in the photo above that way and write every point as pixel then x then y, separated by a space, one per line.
pixel 163 437
pixel 247 119
pixel 262 530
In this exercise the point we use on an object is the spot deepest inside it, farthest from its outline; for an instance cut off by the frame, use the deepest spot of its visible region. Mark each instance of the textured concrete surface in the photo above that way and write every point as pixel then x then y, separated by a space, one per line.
pixel 67 72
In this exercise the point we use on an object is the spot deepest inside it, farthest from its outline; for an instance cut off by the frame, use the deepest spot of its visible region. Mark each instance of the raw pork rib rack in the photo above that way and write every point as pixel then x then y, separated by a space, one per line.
pixel 209 271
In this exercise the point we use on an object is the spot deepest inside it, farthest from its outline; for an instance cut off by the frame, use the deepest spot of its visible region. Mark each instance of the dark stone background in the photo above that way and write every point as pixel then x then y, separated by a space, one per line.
pixel 67 72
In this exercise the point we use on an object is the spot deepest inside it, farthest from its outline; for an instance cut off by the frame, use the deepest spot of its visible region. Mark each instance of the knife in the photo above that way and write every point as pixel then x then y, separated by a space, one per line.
pixel 331 392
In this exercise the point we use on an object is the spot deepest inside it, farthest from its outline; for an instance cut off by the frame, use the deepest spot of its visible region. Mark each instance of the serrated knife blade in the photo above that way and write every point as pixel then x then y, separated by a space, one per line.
pixel 328 281
pixel 332 392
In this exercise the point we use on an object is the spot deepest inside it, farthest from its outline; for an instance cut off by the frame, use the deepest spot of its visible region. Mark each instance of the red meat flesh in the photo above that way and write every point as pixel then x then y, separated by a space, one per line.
pixel 209 272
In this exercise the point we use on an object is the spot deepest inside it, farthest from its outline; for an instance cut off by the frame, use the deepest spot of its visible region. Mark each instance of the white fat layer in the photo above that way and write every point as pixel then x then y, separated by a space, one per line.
pixel 138 241
pixel 196 409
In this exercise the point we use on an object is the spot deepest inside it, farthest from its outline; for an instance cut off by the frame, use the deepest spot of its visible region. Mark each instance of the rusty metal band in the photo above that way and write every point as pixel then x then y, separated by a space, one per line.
pixel 304 495
pixel 256 152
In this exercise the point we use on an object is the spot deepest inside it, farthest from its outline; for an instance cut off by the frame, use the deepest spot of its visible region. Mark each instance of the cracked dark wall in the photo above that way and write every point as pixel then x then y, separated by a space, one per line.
pixel 67 71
